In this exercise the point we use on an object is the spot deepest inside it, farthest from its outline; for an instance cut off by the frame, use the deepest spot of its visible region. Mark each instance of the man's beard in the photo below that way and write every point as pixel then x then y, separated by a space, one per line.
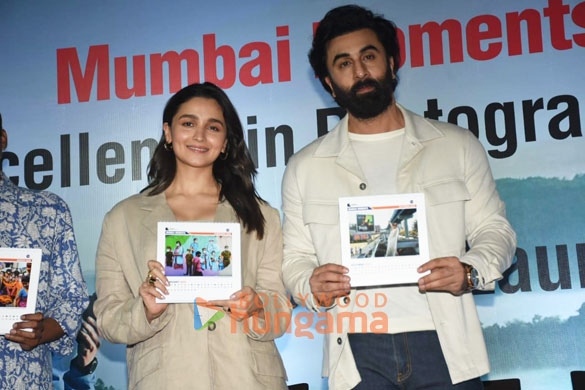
pixel 370 104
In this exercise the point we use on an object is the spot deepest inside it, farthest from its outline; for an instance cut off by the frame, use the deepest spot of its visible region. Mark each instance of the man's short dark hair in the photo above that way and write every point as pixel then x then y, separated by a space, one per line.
pixel 346 19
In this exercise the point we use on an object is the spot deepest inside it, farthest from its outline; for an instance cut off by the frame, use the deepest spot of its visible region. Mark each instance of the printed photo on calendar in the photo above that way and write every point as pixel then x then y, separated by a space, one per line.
pixel 14 282
pixel 386 232
pixel 201 259
pixel 198 253
pixel 383 238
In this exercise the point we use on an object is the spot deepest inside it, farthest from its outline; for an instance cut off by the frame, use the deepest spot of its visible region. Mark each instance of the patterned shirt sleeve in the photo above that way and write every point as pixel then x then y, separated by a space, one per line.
pixel 68 293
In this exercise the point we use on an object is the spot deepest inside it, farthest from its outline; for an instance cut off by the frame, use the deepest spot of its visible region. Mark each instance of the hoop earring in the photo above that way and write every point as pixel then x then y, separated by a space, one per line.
pixel 224 155
pixel 168 146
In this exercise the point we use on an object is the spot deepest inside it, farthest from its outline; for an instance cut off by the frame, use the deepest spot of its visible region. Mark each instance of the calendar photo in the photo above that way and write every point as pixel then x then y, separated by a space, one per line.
pixel 201 259
pixel 383 238
pixel 19 280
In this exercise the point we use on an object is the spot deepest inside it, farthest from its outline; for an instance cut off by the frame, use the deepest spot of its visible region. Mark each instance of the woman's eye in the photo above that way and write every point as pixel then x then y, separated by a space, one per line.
pixel 214 128
pixel 188 124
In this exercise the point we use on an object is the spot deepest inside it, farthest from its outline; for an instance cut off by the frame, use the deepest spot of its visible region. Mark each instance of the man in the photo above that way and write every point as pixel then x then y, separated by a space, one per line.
pixel 194 246
pixel 78 373
pixel 212 246
pixel 433 337
pixel 40 220
pixel 189 261
pixel 204 259
pixel 226 255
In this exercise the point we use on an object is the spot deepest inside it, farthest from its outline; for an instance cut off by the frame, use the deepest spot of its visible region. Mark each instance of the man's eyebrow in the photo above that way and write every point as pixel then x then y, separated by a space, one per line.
pixel 340 55
pixel 365 48
pixel 369 47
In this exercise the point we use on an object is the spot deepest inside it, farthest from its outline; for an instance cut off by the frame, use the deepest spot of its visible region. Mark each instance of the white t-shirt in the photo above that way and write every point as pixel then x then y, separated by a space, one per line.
pixel 407 309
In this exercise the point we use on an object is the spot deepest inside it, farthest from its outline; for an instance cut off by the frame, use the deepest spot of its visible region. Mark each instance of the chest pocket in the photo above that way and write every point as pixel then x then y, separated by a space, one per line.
pixel 321 213
pixel 322 219
pixel 446 217
pixel 445 192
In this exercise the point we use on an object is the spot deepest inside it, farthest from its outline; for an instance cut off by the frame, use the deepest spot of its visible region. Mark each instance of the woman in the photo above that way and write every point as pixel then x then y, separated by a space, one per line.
pixel 197 264
pixel 178 255
pixel 200 160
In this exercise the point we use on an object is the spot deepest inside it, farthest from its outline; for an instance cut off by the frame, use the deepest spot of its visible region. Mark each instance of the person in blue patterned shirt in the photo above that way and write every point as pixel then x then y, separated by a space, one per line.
pixel 30 219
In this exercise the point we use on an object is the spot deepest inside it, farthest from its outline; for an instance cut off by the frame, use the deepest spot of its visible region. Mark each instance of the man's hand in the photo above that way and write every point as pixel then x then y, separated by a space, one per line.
pixel 447 274
pixel 28 339
pixel 329 282
pixel 88 342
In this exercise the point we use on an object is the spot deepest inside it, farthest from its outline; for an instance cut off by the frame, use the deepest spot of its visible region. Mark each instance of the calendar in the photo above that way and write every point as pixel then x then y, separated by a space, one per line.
pixel 19 282
pixel 201 260
pixel 383 238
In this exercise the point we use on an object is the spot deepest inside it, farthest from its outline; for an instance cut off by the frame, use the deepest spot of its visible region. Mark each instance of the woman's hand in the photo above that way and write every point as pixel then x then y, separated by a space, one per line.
pixel 28 339
pixel 242 304
pixel 154 287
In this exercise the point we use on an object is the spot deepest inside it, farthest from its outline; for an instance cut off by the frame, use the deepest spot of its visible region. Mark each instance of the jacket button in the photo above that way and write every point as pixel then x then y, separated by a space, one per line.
pixel 211 327
pixel 346 300
pixel 363 186
pixel 339 341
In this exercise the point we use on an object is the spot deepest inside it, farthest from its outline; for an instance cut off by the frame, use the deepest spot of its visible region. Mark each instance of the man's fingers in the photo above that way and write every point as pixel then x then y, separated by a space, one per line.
pixel 83 338
pixel 16 338
pixel 336 268
pixel 329 287
pixel 431 265
pixel 26 325
pixel 93 323
pixel 89 341
pixel 332 294
pixel 91 331
pixel 438 263
pixel 437 274
pixel 440 280
pixel 332 277
pixel 24 335
pixel 32 317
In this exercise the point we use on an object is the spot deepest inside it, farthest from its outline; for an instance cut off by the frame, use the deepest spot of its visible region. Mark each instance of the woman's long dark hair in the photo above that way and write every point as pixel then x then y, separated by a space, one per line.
pixel 235 174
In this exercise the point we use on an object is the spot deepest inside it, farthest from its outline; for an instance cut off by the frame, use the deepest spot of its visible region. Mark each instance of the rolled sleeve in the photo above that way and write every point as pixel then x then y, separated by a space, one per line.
pixel 490 236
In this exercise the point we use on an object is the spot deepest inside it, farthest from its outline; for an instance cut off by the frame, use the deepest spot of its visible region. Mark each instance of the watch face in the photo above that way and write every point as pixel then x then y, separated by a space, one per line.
pixel 474 277
pixel 90 368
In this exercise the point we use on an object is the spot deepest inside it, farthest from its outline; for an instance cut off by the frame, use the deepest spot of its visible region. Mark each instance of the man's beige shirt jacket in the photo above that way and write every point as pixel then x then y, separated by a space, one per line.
pixel 448 165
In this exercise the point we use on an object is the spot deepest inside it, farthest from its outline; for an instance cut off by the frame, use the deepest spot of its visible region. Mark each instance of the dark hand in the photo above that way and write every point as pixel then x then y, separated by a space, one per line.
pixel 28 340
pixel 447 274
pixel 88 342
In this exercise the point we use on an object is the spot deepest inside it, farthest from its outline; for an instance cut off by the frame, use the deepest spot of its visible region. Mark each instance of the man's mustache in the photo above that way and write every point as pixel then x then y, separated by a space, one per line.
pixel 364 83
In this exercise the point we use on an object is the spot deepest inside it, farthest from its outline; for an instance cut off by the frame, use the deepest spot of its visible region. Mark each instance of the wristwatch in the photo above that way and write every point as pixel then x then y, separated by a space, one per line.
pixel 472 277
pixel 87 370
